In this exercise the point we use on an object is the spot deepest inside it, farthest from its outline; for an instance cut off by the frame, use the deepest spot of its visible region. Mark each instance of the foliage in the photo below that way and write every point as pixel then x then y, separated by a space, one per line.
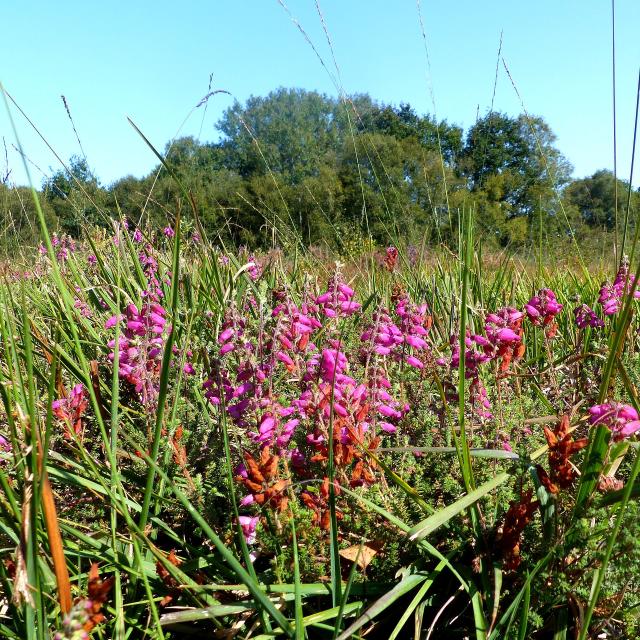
pixel 305 164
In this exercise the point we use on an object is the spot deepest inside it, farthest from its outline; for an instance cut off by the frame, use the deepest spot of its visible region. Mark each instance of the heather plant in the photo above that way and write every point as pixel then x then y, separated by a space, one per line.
pixel 232 428
pixel 199 439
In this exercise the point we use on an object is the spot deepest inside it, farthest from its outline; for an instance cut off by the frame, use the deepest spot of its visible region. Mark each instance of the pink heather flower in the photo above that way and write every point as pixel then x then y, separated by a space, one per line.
pixel 474 353
pixel 503 326
pixel 248 525
pixel 71 409
pixel 504 335
pixel 63 245
pixel 150 268
pixel 91 259
pixel 169 232
pixel 476 348
pixel 611 296
pixel 391 258
pixel 543 307
pixel 293 330
pixel 188 369
pixel 235 381
pixel 383 342
pixel 254 268
pixel 5 447
pixel 586 317
pixel 74 622
pixel 621 419
pixel 414 324
pixel 137 236
pixel 542 310
pixel 112 321
pixel 337 301
pixel 140 348
pixel 83 307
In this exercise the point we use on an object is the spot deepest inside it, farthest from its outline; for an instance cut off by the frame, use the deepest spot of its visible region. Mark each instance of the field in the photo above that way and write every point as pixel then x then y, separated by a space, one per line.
pixel 200 442
pixel 348 371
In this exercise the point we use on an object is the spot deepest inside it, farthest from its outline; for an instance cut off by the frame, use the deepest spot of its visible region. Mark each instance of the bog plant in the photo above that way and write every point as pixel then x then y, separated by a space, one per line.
pixel 200 440
pixel 189 436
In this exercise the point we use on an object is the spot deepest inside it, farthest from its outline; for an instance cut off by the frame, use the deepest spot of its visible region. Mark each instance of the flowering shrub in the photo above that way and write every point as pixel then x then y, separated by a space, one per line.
pixel 611 296
pixel 140 348
pixel 71 409
pixel 324 404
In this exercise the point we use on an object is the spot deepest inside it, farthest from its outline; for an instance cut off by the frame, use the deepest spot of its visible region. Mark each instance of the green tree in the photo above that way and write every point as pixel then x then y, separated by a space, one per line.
pixel 594 198
pixel 19 223
pixel 294 130
pixel 76 197
pixel 521 151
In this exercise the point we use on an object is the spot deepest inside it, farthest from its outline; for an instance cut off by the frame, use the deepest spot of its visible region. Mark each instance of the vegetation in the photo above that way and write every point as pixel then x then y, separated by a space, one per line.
pixel 323 378
pixel 317 169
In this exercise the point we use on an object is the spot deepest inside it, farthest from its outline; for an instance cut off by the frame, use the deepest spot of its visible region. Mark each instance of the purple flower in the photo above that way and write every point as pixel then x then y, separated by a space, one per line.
pixel 414 324
pixel 586 317
pixel 140 348
pixel 543 307
pixel 621 419
pixel 71 409
pixel 337 301
pixel 169 232
pixel 254 268
pixel 611 296
pixel 5 445
pixel 248 525
pixel 84 308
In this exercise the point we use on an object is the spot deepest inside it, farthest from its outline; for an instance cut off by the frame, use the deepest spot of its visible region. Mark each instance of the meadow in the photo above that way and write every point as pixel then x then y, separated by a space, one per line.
pixel 348 372
pixel 202 442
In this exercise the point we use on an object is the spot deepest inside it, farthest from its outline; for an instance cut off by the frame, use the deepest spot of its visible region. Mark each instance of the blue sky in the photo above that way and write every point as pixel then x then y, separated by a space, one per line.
pixel 152 62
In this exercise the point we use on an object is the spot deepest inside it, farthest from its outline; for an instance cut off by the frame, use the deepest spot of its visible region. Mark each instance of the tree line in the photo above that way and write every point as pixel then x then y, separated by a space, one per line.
pixel 300 164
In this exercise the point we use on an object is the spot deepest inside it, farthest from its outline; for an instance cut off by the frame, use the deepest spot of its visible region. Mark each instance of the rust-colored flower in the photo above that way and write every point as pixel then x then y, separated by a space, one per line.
pixel 97 592
pixel 319 504
pixel 518 516
pixel 260 477
pixel 561 447
pixel 170 582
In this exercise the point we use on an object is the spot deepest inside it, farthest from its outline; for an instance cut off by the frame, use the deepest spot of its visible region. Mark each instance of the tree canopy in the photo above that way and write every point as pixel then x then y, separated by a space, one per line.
pixel 318 166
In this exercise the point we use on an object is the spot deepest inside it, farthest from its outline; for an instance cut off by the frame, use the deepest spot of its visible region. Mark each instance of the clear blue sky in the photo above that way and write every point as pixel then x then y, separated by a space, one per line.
pixel 152 61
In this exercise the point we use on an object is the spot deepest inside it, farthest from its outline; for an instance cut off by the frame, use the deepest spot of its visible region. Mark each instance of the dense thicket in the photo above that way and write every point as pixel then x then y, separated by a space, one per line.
pixel 331 169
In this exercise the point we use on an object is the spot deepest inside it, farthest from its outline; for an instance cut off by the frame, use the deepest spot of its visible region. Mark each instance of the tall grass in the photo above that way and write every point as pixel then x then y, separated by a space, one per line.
pixel 164 522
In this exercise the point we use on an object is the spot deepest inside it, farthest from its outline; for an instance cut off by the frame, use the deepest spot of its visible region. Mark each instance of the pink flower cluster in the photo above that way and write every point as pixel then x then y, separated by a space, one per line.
pixel 337 301
pixel 414 324
pixel 503 327
pixel 504 333
pixel 542 310
pixel 611 296
pixel 63 245
pixel 140 348
pixel 71 409
pixel 474 357
pixel 5 447
pixel 621 419
pixel 587 317
pixel 248 525
pixel 254 268
pixel 391 258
